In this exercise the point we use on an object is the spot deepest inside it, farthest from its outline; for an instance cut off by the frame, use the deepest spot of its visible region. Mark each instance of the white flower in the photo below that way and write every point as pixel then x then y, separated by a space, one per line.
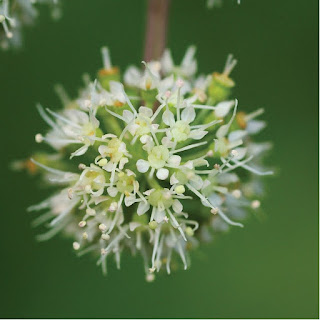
pixel 188 65
pixel 116 152
pixel 69 127
pixel 181 129
pixel 146 80
pixel 158 158
pixel 15 14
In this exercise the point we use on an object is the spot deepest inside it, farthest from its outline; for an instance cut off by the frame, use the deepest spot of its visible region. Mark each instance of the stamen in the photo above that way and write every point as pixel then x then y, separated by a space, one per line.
pixel 205 200
pixel 115 114
pixel 106 58
pixel 254 114
pixel 259 173
pixel 230 64
pixel 47 119
pixel 191 146
pixel 176 224
pixel 58 116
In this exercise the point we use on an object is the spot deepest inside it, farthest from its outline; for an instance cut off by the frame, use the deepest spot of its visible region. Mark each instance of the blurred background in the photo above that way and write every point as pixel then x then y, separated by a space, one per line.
pixel 266 270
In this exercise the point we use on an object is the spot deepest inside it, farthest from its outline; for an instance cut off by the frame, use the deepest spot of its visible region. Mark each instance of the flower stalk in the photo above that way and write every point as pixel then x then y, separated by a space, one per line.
pixel 156 29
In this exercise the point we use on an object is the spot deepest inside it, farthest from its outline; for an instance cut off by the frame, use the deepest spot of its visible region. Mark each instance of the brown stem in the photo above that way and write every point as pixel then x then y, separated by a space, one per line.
pixel 156 29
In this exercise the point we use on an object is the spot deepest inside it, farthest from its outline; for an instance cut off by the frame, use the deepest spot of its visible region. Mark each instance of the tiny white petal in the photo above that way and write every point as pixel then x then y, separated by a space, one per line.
pixel 223 108
pixel 177 206
pixel 142 165
pixel 146 111
pixel 254 126
pixel 236 135
pixel 134 225
pixel 127 115
pixel 112 191
pixel 168 118
pixel 173 180
pixel 188 164
pixel 174 160
pixel 129 200
pixel 197 134
pixel 188 114
pixel 162 174
pixel 143 207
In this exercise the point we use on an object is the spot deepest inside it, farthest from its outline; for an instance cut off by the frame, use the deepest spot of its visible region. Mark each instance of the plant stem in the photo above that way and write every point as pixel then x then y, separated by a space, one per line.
pixel 156 29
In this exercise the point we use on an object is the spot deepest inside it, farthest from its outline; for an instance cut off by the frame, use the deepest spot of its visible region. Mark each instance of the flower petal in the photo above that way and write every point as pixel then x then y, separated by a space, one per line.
pixel 188 114
pixel 142 165
pixel 174 161
pixel 162 174
pixel 143 207
pixel 177 206
pixel 168 118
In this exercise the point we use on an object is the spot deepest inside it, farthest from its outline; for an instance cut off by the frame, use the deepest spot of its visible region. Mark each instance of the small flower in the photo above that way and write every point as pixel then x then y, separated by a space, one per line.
pixel 15 14
pixel 69 127
pixel 188 65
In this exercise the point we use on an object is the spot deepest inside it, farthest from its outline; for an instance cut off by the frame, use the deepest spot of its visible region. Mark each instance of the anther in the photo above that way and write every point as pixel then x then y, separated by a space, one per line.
pixel 234 153
pixel 255 204
pixel 102 227
pixel 70 193
pixel 180 189
pixel 81 166
pixel 214 210
pixel 82 224
pixel 76 246
pixel 105 236
pixel 91 212
pixel 236 193
pixel 209 153
pixel 39 138
pixel 113 206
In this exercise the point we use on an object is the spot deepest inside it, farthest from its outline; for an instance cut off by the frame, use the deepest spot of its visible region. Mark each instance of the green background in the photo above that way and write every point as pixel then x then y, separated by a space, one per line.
pixel 266 270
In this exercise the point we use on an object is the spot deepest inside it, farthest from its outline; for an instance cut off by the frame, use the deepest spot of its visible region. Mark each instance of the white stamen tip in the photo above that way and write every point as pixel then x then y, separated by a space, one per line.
pixel 85 236
pixel 39 138
pixel 255 204
pixel 167 94
pixel 180 189
pixel 82 224
pixel 91 212
pixel 105 236
pixel 214 210
pixel 234 153
pixel 81 166
pixel 2 18
pixel 70 193
pixel 102 227
pixel 236 193
pixel 150 277
pixel 210 153
pixel 76 245
pixel 152 270
pixel 87 103
pixel 180 83
pixel 113 206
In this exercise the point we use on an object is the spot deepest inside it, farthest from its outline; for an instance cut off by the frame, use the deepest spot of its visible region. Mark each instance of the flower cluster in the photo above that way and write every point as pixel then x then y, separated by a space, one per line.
pixel 15 14
pixel 153 164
